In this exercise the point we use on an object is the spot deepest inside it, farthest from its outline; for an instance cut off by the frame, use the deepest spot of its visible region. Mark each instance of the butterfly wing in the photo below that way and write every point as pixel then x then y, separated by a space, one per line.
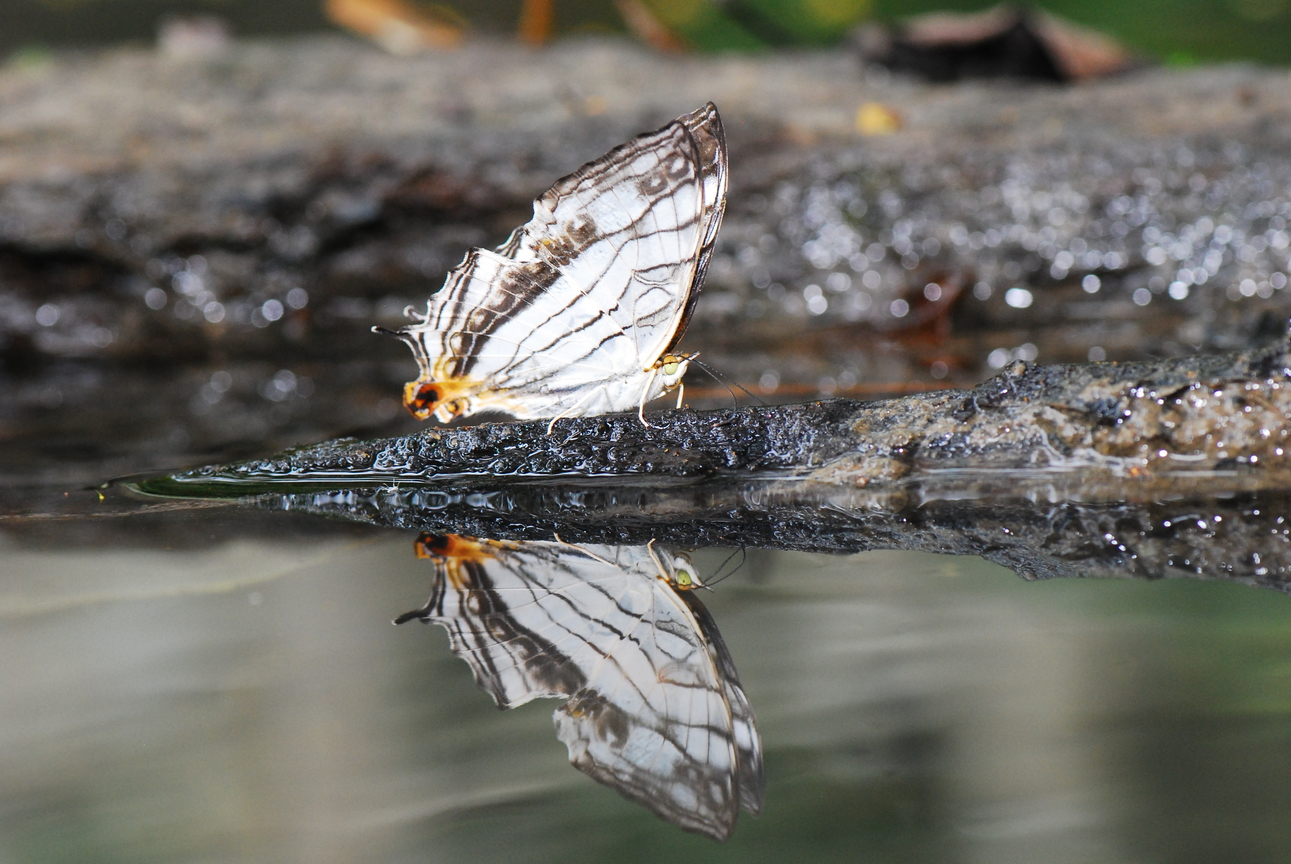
pixel 643 219
pixel 572 313
pixel 649 709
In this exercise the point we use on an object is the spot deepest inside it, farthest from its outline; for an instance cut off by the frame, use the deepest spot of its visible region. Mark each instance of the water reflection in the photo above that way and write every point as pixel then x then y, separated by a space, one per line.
pixel 653 707
pixel 224 684
pixel 979 727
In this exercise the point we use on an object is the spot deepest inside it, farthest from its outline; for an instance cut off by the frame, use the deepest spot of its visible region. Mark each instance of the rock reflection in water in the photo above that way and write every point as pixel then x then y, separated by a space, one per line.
pixel 654 707
pixel 1038 531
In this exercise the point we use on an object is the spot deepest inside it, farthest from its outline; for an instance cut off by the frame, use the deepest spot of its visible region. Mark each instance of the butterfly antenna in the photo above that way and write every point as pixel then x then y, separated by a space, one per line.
pixel 726 382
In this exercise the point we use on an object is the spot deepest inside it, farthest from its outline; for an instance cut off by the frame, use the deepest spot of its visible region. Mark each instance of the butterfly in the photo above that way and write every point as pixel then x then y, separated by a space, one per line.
pixel 653 707
pixel 580 311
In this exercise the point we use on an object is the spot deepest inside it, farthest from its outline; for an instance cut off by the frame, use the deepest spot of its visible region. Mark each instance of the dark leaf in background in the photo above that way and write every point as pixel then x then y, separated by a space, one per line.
pixel 1002 42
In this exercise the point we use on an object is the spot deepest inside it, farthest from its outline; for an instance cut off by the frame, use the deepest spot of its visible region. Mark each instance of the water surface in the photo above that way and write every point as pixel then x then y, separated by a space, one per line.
pixel 225 684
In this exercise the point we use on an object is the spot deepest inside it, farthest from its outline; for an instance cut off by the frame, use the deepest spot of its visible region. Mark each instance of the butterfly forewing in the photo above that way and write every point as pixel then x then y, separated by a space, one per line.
pixel 649 708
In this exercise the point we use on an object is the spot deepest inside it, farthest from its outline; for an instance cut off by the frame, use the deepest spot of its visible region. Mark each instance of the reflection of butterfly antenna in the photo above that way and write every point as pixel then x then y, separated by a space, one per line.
pixel 744 557
pixel 726 382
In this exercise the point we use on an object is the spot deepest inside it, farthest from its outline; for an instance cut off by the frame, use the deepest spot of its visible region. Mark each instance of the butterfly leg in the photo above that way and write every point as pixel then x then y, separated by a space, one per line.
pixel 681 393
pixel 568 411
pixel 645 391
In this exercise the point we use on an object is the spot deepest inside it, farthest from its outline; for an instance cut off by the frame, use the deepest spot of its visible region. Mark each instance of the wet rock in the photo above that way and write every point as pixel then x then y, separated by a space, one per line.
pixel 1144 470
pixel 1094 432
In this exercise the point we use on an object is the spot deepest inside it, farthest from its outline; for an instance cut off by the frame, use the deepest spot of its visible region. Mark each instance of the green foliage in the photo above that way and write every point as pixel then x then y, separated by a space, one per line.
pixel 1178 31
pixel 753 24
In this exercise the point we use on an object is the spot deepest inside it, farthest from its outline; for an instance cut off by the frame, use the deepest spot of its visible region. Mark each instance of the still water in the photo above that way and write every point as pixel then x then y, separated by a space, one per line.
pixel 222 684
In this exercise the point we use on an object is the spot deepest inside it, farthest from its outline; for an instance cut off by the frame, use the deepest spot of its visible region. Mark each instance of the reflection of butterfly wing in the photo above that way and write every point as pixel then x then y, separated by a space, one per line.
pixel 689 753
pixel 654 708
pixel 750 780
pixel 574 312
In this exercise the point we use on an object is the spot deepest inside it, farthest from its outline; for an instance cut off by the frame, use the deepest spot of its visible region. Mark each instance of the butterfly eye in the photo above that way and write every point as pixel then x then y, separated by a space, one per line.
pixel 684 579
pixel 670 364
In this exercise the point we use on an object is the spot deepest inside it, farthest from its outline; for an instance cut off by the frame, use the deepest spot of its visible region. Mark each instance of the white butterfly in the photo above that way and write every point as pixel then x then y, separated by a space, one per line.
pixel 654 707
pixel 579 312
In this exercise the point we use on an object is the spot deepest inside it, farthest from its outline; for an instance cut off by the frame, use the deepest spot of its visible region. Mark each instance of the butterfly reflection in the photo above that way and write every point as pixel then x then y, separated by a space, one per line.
pixel 654 707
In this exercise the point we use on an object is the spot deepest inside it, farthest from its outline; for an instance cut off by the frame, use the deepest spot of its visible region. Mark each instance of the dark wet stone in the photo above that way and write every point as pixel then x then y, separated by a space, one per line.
pixel 1107 431
pixel 1143 470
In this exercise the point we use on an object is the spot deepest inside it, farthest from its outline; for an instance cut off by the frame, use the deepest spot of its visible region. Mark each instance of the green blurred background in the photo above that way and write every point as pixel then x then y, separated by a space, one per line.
pixel 1179 31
